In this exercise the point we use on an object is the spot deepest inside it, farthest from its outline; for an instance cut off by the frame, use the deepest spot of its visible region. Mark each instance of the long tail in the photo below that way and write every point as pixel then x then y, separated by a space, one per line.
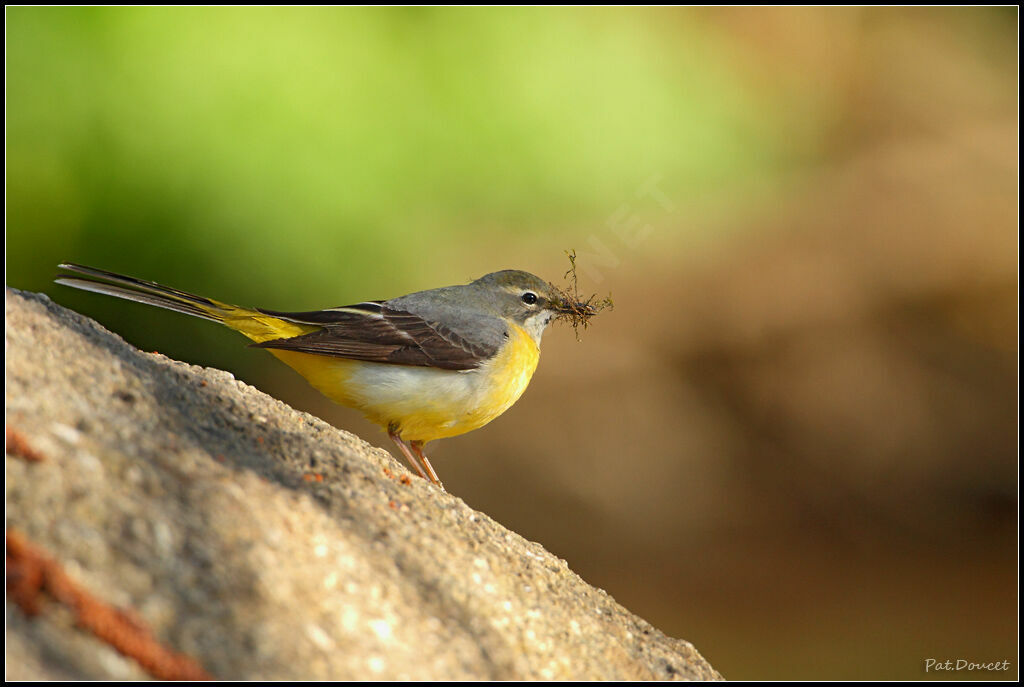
pixel 254 324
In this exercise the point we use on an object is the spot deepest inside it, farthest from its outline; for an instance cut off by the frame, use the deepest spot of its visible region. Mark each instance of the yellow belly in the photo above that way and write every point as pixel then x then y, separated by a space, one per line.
pixel 424 403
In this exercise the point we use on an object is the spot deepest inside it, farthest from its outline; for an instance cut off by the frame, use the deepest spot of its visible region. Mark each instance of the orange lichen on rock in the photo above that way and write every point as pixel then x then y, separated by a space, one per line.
pixel 31 574
pixel 16 445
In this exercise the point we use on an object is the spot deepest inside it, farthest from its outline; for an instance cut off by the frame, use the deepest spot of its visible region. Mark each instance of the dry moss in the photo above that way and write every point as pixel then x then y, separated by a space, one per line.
pixel 576 310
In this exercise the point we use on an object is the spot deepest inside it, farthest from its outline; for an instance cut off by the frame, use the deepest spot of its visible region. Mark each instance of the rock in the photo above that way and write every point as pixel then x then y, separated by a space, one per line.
pixel 266 544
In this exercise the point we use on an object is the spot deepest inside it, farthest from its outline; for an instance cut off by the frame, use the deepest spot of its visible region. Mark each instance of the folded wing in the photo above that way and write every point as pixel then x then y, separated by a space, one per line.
pixel 374 332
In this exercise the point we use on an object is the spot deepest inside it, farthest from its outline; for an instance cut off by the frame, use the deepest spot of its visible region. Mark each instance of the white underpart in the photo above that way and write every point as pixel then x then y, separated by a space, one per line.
pixel 402 389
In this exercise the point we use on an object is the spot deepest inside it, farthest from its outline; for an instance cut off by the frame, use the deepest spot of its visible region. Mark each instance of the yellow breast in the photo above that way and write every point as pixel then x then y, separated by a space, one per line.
pixel 424 403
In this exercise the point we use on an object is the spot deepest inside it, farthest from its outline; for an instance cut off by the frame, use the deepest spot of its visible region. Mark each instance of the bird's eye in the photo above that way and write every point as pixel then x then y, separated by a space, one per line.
pixel 529 298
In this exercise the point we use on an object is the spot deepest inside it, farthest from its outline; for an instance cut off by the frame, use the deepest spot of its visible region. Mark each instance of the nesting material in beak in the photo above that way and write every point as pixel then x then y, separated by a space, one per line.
pixel 571 308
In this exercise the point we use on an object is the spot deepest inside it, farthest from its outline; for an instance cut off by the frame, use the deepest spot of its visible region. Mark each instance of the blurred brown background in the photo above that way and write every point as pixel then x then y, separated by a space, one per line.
pixel 794 440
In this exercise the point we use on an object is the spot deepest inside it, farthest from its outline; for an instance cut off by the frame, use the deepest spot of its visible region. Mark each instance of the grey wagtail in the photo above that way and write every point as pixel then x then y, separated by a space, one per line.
pixel 425 366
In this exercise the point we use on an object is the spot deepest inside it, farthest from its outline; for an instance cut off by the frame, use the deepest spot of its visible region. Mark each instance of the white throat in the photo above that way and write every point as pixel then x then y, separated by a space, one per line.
pixel 537 323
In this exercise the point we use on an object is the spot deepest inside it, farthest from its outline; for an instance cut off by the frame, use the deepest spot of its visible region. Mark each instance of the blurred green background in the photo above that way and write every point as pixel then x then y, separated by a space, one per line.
pixel 793 442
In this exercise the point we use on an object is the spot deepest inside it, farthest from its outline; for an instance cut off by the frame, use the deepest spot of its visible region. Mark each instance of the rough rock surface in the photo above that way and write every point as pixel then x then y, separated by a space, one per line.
pixel 267 544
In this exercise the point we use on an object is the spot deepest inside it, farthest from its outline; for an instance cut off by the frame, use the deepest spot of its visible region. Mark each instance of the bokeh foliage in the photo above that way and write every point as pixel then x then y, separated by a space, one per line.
pixel 241 148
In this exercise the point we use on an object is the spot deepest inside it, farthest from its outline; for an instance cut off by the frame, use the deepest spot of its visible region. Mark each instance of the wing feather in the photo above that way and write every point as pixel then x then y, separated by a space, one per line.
pixel 377 333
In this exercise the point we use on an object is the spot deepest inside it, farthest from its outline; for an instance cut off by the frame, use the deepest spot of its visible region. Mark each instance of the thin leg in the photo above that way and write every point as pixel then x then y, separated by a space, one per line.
pixel 417 447
pixel 408 454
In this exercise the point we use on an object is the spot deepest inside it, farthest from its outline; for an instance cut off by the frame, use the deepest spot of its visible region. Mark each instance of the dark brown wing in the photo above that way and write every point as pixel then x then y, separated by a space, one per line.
pixel 374 332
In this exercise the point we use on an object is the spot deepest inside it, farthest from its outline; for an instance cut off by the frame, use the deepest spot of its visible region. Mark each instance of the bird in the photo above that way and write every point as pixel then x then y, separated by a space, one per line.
pixel 424 366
